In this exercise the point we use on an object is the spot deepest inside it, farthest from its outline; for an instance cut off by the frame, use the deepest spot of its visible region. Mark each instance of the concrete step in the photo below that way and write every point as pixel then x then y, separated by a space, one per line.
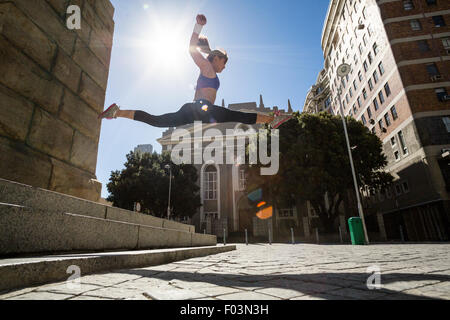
pixel 33 230
pixel 18 273
pixel 37 198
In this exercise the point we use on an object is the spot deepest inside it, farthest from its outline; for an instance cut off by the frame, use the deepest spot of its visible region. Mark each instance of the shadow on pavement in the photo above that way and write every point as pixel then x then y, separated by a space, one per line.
pixel 338 286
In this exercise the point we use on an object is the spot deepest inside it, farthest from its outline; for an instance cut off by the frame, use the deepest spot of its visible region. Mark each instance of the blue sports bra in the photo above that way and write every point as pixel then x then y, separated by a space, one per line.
pixel 204 82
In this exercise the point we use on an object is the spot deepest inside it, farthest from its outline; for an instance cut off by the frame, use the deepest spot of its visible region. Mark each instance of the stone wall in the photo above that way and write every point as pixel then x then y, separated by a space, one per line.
pixel 52 87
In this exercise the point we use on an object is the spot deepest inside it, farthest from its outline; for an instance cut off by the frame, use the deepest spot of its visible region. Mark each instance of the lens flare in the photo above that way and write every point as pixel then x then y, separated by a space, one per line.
pixel 265 213
pixel 262 203
pixel 255 195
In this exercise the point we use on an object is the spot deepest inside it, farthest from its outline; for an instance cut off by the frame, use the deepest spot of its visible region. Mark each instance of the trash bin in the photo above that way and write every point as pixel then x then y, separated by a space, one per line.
pixel 356 231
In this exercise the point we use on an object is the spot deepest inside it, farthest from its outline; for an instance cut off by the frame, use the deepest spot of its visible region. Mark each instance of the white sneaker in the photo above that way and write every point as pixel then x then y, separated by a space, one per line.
pixel 279 119
pixel 110 113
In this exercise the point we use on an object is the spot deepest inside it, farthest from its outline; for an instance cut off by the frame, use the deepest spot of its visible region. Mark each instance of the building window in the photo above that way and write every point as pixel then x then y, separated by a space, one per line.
pixel 387 89
pixel 364 92
pixel 405 186
pixel 360 47
pixel 369 30
pixel 363 119
pixel 242 180
pixel 369 113
pixel 380 124
pixel 360 76
pixel 213 215
pixel 373 130
pixel 394 113
pixel 388 193
pixel 375 48
pixel 446 121
pixel 439 21
pixel 210 183
pixel 375 76
pixel 365 40
pixel 393 142
pixel 364 13
pixel 375 104
pixel 423 45
pixel 346 98
pixel 354 85
pixel 355 58
pixel 397 155
pixel 366 67
pixel 381 68
pixel 415 25
pixel 402 143
pixel 351 92
pixel 398 189
pixel 387 120
pixel 370 84
pixel 359 102
pixel 408 5
pixel 432 69
pixel 286 213
pixel 354 109
pixel 370 58
pixel 381 97
pixel 446 43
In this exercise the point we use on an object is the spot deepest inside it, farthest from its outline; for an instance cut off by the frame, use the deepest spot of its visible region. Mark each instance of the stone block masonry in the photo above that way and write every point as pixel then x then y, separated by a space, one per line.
pixel 52 88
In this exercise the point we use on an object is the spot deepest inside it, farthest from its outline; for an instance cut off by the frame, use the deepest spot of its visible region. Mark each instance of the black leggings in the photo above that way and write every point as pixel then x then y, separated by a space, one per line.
pixel 200 110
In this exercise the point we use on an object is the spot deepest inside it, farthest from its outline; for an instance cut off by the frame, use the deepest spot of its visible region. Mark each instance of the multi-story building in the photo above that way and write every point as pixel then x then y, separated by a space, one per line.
pixel 399 84
pixel 144 148
pixel 318 98
pixel 223 186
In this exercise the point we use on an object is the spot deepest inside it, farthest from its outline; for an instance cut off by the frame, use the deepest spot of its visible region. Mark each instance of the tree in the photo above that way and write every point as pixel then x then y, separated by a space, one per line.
pixel 145 180
pixel 314 161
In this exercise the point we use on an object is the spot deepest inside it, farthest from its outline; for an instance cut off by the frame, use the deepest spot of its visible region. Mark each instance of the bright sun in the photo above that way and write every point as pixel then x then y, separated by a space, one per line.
pixel 163 45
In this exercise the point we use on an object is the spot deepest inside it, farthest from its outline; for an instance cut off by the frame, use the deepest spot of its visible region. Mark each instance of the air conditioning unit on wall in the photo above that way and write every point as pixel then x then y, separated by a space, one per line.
pixel 436 77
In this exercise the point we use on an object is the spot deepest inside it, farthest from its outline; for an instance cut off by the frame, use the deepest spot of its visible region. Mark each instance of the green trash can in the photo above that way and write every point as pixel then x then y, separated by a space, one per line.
pixel 356 231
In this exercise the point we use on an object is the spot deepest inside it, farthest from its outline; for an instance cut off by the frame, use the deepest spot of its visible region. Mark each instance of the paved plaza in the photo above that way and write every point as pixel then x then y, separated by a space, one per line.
pixel 277 271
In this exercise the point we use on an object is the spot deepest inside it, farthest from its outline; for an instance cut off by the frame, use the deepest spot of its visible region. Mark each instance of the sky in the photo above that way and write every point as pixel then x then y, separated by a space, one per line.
pixel 273 47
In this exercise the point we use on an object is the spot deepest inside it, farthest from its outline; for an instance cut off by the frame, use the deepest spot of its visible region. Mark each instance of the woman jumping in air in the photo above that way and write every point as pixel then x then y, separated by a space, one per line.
pixel 203 108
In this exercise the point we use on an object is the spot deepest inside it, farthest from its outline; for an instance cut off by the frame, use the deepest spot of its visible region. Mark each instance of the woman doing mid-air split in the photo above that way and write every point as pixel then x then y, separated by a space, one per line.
pixel 203 108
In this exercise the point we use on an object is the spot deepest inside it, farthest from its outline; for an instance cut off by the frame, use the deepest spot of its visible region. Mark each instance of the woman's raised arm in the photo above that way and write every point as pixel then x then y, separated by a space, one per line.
pixel 199 60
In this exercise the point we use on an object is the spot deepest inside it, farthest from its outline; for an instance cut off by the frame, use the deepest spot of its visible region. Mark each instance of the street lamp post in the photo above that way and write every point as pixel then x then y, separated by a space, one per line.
pixel 170 187
pixel 342 71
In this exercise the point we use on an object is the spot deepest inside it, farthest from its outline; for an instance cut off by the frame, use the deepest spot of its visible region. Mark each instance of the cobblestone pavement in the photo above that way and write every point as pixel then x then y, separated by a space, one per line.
pixel 277 271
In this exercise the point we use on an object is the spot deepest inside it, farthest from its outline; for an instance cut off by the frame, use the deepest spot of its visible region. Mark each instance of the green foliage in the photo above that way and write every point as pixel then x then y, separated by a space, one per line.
pixel 145 180
pixel 314 161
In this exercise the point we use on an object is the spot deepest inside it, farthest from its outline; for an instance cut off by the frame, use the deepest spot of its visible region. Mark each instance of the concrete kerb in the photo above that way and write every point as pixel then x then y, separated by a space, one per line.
pixel 24 230
pixel 37 198
pixel 50 269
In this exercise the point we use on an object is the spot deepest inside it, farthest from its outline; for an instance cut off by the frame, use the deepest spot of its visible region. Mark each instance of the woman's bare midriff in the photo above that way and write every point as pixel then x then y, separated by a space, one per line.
pixel 207 94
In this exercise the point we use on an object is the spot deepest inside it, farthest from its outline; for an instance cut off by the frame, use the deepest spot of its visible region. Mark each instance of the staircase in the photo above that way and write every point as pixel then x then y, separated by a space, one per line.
pixel 34 220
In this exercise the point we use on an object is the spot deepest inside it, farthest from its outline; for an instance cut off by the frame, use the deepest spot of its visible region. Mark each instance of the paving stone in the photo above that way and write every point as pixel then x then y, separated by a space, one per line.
pixel 300 272
pixel 215 291
pixel 113 293
pixel 358 294
pixel 73 288
pixel 41 296
pixel 88 298
pixel 280 292
pixel 250 295
pixel 174 294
